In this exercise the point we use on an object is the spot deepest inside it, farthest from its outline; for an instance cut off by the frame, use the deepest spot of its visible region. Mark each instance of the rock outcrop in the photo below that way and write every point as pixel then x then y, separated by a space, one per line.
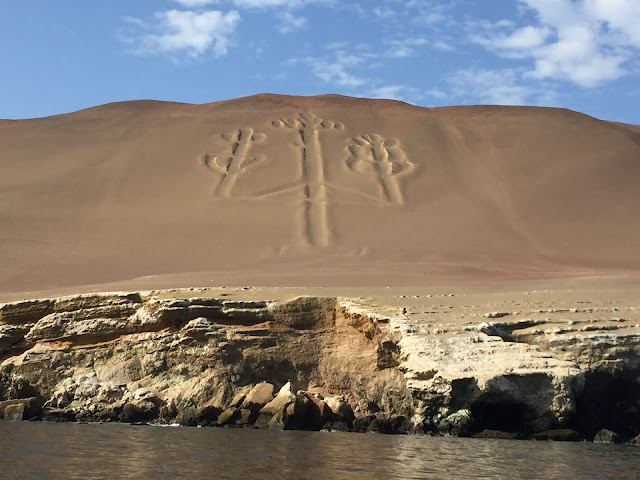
pixel 525 376
pixel 315 363
pixel 151 357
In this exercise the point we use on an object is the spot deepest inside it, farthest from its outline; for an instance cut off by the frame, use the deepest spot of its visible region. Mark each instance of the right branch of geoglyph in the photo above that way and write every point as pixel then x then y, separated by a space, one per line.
pixel 384 158
pixel 233 165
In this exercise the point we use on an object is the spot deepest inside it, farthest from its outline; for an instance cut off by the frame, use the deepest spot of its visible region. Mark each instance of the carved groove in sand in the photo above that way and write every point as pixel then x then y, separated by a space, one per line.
pixel 312 182
pixel 230 167
pixel 384 158
pixel 371 154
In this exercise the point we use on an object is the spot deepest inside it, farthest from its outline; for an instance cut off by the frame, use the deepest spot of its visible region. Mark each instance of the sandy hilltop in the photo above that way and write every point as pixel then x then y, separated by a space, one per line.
pixel 323 263
pixel 277 190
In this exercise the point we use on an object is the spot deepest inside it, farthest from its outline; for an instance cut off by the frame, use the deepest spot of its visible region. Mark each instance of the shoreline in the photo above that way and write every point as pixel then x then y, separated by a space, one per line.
pixel 474 361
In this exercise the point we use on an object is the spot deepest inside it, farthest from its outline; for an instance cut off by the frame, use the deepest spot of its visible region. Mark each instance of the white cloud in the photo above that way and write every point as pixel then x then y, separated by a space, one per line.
pixel 577 56
pixel 622 16
pixel 290 22
pixel 522 38
pixel 195 3
pixel 192 32
pixel 586 42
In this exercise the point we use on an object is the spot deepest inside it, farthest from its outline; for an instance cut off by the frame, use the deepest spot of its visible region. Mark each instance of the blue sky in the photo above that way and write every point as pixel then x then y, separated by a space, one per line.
pixel 64 55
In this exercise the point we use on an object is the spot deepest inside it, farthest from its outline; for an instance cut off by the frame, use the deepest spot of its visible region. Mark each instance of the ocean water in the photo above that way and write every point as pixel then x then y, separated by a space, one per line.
pixel 75 451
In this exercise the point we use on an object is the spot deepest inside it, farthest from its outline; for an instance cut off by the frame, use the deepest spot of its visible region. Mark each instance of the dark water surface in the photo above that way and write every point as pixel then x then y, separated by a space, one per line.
pixel 72 451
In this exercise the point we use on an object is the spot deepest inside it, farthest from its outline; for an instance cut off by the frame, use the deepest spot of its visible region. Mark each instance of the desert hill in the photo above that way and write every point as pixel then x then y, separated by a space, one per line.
pixel 330 190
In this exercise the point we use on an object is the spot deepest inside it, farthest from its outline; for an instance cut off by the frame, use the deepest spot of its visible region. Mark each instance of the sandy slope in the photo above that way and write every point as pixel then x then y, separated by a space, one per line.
pixel 360 192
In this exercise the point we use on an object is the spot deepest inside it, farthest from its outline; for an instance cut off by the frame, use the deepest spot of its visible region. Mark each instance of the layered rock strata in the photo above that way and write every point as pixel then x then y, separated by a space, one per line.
pixel 142 358
pixel 317 362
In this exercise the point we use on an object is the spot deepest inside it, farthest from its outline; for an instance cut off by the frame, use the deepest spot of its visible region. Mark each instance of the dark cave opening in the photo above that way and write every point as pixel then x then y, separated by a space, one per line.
pixel 609 400
pixel 497 411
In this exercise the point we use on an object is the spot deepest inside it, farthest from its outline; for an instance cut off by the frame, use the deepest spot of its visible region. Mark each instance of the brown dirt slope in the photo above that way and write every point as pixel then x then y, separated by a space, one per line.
pixel 324 190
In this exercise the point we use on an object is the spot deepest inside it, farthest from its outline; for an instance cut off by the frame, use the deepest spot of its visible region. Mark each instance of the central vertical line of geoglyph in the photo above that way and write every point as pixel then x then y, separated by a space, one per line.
pixel 312 162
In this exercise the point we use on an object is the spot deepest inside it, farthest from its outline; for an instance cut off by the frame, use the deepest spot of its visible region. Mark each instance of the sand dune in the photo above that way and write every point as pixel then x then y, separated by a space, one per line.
pixel 330 190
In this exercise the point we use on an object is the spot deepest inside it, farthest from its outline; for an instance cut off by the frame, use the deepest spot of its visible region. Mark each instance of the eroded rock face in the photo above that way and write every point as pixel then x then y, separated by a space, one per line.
pixel 143 357
pixel 520 377
pixel 313 363
pixel 20 409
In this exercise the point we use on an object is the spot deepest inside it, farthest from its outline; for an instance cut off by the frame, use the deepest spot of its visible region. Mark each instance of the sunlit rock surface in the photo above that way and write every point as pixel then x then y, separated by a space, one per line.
pixel 313 362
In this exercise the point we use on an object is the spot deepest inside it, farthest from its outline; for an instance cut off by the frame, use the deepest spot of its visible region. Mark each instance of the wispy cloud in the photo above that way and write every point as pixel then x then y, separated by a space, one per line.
pixel 541 48
pixel 194 33
pixel 384 12
pixel 405 47
pixel 336 70
pixel 290 22
pixel 402 93
pixel 499 87
pixel 443 46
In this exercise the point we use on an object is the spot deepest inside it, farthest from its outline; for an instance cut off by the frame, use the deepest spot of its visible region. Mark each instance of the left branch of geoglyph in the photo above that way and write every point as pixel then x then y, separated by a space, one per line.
pixel 232 166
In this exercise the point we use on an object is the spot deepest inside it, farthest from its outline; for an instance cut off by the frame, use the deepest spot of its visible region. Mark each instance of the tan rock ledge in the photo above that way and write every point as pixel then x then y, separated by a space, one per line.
pixel 411 362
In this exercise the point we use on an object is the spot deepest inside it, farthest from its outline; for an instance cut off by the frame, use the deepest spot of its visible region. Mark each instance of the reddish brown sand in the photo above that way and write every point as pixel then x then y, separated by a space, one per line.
pixel 257 191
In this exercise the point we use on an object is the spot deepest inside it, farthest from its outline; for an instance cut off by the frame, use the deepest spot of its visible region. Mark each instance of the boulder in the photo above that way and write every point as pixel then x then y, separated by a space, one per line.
pixel 258 397
pixel 237 400
pixel 14 413
pixel 187 416
pixel 606 436
pixel 133 413
pixel 457 424
pixel 635 440
pixel 361 424
pixel 318 413
pixel 228 417
pixel 285 396
pixel 141 406
pixel 208 416
pixel 168 411
pixel 389 425
pixel 382 423
pixel 341 409
pixel 273 414
pixel 245 417
pixel 51 414
pixel 296 413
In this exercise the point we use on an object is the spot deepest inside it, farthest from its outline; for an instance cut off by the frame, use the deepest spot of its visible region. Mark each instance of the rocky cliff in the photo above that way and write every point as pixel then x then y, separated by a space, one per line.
pixel 313 362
